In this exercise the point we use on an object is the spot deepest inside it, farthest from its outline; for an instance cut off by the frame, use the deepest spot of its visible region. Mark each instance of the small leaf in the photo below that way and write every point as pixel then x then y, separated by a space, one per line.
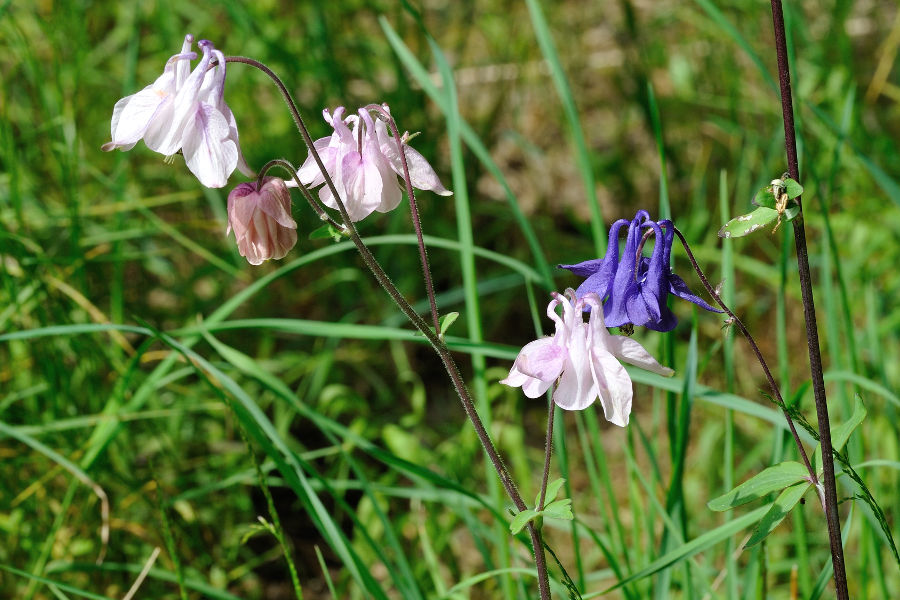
pixel 774 478
pixel 792 188
pixel 559 509
pixel 765 198
pixel 446 321
pixel 746 224
pixel 327 231
pixel 784 503
pixel 522 519
pixel 791 212
pixel 840 434
pixel 552 490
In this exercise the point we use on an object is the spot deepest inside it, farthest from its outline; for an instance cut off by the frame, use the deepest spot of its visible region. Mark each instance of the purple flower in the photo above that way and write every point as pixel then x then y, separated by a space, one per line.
pixel 636 287
pixel 584 359
pixel 363 161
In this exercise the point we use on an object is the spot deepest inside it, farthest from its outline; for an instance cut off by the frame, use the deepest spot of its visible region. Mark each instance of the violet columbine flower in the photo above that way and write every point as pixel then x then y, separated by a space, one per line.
pixel 186 112
pixel 584 357
pixel 635 287
pixel 363 162
pixel 262 222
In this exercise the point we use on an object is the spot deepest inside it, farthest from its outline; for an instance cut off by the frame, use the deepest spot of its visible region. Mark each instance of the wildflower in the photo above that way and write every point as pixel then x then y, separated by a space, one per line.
pixel 362 159
pixel 636 287
pixel 584 357
pixel 184 112
pixel 262 222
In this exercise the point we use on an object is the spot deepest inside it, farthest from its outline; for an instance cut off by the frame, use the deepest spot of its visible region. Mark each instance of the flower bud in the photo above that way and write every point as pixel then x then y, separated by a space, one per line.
pixel 261 220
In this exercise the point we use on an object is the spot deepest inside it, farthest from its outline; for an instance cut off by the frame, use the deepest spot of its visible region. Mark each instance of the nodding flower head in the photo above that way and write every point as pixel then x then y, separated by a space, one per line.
pixel 261 220
pixel 185 111
pixel 363 162
pixel 635 288
pixel 583 359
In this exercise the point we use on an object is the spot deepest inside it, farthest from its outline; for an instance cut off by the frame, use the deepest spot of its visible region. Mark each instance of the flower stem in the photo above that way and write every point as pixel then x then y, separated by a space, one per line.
pixel 413 210
pixel 776 392
pixel 809 312
pixel 437 343
pixel 548 446
pixel 313 202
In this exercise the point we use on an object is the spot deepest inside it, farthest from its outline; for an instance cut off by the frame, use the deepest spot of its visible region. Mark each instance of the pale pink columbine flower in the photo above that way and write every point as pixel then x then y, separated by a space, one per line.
pixel 584 357
pixel 262 222
pixel 186 111
pixel 363 161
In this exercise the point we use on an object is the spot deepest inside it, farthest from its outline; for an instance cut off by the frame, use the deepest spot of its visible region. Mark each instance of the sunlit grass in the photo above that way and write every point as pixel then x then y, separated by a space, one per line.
pixel 136 345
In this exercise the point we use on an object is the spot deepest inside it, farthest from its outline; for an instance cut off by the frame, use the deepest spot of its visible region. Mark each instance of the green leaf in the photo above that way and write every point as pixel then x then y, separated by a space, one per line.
pixel 784 503
pixel 791 212
pixel 746 224
pixel 559 509
pixel 792 188
pixel 552 490
pixel 446 321
pixel 774 478
pixel 765 198
pixel 840 434
pixel 522 519
pixel 327 231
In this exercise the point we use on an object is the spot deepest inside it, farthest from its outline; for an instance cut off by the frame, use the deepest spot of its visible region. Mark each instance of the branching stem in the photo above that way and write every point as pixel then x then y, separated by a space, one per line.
pixel 437 343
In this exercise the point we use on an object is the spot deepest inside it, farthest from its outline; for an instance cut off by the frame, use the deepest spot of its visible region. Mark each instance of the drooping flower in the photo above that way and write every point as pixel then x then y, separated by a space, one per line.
pixel 362 159
pixel 261 220
pixel 584 358
pixel 635 287
pixel 184 111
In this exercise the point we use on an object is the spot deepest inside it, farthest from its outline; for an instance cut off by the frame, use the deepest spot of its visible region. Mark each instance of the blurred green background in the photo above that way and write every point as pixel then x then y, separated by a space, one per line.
pixel 679 110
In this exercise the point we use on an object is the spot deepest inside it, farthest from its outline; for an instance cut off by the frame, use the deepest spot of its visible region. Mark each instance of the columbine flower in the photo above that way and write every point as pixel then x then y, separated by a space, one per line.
pixel 636 288
pixel 362 159
pixel 186 112
pixel 584 357
pixel 262 222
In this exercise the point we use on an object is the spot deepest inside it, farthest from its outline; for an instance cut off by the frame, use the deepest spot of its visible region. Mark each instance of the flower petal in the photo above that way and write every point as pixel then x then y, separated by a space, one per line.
pixel 613 386
pixel 208 152
pixel 631 352
pixel 576 389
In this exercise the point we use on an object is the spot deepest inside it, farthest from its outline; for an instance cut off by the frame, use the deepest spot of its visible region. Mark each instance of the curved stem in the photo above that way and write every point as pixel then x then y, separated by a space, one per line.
pixel 809 312
pixel 762 361
pixel 432 336
pixel 313 202
pixel 413 209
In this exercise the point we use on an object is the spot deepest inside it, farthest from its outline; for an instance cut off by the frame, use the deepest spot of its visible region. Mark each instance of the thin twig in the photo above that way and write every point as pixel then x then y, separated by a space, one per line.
pixel 548 445
pixel 413 210
pixel 776 392
pixel 809 312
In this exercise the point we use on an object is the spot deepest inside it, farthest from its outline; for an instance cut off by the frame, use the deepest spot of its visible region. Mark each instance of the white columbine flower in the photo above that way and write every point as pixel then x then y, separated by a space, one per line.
pixel 584 357
pixel 363 162
pixel 184 111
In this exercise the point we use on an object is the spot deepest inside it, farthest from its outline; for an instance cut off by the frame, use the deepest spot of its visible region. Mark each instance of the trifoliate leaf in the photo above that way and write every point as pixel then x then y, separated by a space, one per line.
pixel 552 490
pixel 747 224
pixel 522 519
pixel 560 509
pixel 327 231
